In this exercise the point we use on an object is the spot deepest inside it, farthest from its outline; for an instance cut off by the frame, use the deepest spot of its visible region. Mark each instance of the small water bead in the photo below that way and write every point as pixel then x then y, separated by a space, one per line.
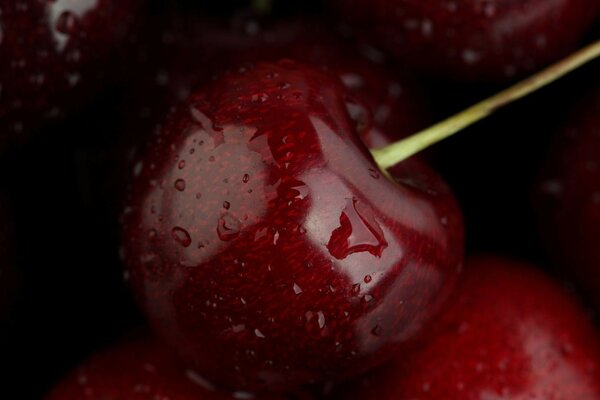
pixel 376 331
pixel 181 236
pixel 180 185
pixel 229 227
pixel 297 289
pixel 181 164
pixel 368 278
pixel 374 173
pixel 245 178
pixel 226 205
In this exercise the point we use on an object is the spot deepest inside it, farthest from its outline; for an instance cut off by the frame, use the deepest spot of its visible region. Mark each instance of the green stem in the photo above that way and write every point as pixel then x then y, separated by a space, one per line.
pixel 402 149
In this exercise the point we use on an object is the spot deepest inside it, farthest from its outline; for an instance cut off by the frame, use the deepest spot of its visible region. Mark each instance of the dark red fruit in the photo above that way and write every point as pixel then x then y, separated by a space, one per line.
pixel 567 197
pixel 507 332
pixel 140 369
pixel 190 51
pixel 490 40
pixel 54 54
pixel 265 245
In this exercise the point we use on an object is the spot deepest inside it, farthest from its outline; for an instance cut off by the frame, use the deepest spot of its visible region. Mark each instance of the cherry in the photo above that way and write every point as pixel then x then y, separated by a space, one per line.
pixel 508 332
pixel 266 247
pixel 189 51
pixel 490 40
pixel 567 197
pixel 54 54
pixel 136 369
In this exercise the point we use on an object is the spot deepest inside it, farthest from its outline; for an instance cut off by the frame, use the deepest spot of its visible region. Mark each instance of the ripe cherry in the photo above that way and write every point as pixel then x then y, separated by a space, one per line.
pixel 266 247
pixel 491 40
pixel 507 332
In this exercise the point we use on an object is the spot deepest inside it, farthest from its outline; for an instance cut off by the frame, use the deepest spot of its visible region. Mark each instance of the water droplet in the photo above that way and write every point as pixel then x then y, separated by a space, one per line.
pixel 374 173
pixel 297 289
pixel 180 185
pixel 259 334
pixel 368 278
pixel 367 298
pixel 181 164
pixel 246 178
pixel 226 205
pixel 358 232
pixel 181 236
pixel 66 22
pixel 376 331
pixel 470 56
pixel 356 288
pixel 229 227
pixel 321 319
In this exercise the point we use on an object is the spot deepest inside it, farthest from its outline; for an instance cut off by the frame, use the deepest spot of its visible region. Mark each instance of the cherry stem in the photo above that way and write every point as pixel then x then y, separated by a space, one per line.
pixel 398 151
pixel 262 6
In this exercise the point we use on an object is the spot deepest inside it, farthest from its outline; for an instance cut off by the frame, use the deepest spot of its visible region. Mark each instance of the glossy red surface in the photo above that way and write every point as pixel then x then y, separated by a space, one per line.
pixel 567 197
pixel 490 40
pixel 54 54
pixel 140 369
pixel 192 50
pixel 507 332
pixel 266 247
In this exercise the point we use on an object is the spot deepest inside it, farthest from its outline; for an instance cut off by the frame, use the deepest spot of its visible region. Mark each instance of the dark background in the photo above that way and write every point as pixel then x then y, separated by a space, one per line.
pixel 71 295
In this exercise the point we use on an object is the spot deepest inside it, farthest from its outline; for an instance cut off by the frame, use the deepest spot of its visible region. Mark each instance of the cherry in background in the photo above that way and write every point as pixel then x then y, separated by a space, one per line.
pixel 508 332
pixel 55 54
pixel 139 368
pixel 567 197
pixel 185 51
pixel 265 246
pixel 492 40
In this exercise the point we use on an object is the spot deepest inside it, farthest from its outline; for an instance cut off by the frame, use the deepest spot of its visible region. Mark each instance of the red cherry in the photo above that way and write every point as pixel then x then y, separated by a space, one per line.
pixel 191 50
pixel 53 54
pixel 567 197
pixel 139 369
pixel 507 332
pixel 266 247
pixel 471 39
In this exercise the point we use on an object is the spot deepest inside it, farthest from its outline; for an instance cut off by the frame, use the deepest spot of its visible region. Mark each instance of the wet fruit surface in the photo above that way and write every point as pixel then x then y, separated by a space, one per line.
pixel 507 332
pixel 567 197
pixel 266 247
pixel 54 54
pixel 193 50
pixel 475 40
pixel 137 369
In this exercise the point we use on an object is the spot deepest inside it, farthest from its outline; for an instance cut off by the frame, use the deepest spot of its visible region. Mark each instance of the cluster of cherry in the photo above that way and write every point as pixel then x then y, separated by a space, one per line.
pixel 269 252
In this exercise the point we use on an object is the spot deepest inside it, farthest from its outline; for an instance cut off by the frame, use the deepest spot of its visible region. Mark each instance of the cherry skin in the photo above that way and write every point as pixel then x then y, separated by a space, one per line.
pixel 265 246
pixel 476 40
pixel 507 332
pixel 189 51
pixel 567 197
pixel 136 369
pixel 54 54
